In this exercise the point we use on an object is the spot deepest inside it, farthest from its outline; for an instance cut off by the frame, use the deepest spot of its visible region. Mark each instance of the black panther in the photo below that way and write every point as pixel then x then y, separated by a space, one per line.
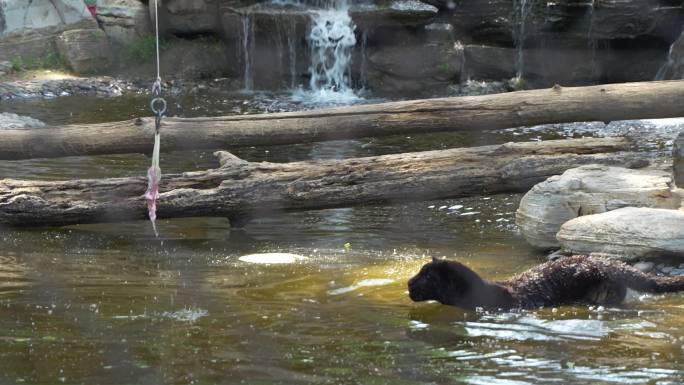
pixel 570 280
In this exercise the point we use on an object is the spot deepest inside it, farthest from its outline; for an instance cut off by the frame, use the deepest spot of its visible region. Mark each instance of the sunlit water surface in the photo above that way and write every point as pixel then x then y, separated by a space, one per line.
pixel 110 304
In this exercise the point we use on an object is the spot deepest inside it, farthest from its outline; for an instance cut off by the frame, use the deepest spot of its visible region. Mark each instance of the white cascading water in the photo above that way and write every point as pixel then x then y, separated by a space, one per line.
pixel 593 42
pixel 524 7
pixel 662 72
pixel 332 41
pixel 247 37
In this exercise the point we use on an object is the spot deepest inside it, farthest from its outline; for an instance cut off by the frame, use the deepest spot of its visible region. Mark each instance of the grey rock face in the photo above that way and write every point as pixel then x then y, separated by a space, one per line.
pixel 589 190
pixel 626 233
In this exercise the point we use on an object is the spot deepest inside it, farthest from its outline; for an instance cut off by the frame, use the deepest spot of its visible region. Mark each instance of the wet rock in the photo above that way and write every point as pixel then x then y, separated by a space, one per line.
pixel 123 20
pixel 627 233
pixel 102 86
pixel 414 69
pixel 645 267
pixel 589 190
pixel 14 121
pixel 489 63
pixel 677 272
pixel 563 23
pixel 568 66
pixel 475 87
pixel 85 51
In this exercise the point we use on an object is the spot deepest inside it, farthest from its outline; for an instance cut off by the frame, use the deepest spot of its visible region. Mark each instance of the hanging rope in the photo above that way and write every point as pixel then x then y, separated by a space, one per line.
pixel 158 107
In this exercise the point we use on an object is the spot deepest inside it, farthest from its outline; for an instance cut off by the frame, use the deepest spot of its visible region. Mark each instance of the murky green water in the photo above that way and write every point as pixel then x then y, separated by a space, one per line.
pixel 109 304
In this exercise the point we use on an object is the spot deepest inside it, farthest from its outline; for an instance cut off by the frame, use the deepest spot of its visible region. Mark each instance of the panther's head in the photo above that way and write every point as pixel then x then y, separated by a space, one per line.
pixel 447 282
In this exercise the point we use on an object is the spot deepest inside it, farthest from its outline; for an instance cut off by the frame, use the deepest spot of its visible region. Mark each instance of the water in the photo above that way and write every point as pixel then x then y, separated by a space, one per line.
pixel 332 40
pixel 593 42
pixel 248 46
pixel 662 72
pixel 523 9
pixel 110 304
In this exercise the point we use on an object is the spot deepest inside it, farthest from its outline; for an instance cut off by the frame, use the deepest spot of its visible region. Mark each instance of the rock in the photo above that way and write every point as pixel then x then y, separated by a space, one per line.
pixel 567 66
pixel 589 190
pixel 60 87
pixel 678 160
pixel 645 267
pixel 489 63
pixel 677 272
pixel 563 23
pixel 123 20
pixel 195 59
pixel 28 28
pixel 474 87
pixel 24 17
pixel 482 22
pixel 85 51
pixel 627 233
pixel 14 121
pixel 414 69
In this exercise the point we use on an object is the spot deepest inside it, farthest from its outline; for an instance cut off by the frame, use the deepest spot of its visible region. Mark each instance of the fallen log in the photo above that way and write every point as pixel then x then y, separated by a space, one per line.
pixel 241 190
pixel 525 108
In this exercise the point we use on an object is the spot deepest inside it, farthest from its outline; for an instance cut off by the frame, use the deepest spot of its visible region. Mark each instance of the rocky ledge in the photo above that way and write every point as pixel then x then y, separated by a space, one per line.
pixel 50 88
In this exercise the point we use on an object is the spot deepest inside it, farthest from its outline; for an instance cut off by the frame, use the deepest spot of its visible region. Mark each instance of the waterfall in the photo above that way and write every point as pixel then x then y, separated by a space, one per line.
pixel 593 43
pixel 292 54
pixel 332 40
pixel 247 37
pixel 663 71
pixel 523 9
pixel 364 62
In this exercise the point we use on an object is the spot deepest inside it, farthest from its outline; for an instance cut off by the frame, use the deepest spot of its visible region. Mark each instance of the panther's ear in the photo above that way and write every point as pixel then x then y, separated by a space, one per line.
pixel 435 259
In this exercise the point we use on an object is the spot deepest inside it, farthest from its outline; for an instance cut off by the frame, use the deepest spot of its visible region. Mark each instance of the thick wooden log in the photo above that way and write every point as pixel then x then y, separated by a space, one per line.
pixel 525 108
pixel 241 190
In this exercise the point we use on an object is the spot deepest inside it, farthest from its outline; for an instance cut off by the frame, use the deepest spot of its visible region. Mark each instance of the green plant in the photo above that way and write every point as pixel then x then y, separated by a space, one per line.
pixel 17 64
pixel 50 60
pixel 143 49
pixel 444 67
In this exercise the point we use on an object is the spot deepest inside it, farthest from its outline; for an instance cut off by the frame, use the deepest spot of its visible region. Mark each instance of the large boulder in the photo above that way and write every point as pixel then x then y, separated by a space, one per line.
pixel 23 17
pixel 414 69
pixel 28 28
pixel 589 190
pixel 627 233
pixel 123 20
pixel 85 51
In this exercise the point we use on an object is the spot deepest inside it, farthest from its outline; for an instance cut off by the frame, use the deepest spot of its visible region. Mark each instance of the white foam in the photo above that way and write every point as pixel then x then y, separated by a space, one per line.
pixel 360 284
pixel 272 258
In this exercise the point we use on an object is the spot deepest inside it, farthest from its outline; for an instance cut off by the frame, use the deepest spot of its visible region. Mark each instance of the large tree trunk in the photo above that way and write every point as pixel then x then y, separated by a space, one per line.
pixel 240 190
pixel 525 108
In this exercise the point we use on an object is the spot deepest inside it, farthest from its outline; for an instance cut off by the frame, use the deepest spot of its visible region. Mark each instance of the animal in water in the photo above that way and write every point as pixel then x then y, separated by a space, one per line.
pixel 570 280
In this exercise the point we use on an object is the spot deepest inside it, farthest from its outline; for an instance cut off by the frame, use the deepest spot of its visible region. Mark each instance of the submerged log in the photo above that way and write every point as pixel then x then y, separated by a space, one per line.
pixel 241 190
pixel 524 108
